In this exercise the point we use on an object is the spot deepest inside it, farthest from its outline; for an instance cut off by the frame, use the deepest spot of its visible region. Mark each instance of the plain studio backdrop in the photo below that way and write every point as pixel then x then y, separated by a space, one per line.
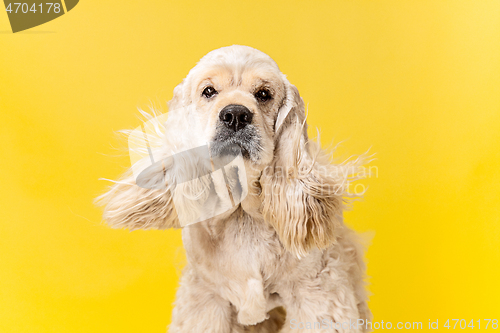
pixel 417 81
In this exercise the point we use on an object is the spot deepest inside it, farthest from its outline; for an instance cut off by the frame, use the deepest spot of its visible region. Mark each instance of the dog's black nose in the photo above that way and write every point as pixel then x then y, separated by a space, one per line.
pixel 235 116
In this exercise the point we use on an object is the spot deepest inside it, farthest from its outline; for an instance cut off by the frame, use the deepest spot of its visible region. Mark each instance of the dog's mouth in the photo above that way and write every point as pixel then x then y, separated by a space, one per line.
pixel 229 143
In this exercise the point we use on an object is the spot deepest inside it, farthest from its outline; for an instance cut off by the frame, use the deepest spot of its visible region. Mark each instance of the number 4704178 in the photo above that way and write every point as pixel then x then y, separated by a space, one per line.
pixel 19 7
pixel 462 323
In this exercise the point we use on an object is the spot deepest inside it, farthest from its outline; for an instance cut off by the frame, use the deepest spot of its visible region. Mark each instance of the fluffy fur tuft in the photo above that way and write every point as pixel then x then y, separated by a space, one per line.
pixel 131 207
pixel 302 192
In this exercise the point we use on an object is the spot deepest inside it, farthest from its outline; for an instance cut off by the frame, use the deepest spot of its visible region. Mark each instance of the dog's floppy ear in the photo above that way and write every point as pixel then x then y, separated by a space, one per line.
pixel 292 100
pixel 126 205
pixel 301 190
pixel 149 206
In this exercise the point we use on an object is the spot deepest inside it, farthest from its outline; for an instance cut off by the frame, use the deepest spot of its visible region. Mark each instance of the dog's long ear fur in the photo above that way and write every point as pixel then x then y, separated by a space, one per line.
pixel 301 191
pixel 126 205
pixel 129 206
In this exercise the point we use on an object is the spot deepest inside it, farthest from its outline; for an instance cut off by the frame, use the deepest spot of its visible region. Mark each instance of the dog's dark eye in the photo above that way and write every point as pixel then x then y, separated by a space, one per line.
pixel 209 92
pixel 263 95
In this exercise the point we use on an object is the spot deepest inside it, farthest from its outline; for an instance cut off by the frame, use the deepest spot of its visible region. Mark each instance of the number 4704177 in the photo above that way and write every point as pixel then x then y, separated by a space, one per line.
pixel 462 323
pixel 19 7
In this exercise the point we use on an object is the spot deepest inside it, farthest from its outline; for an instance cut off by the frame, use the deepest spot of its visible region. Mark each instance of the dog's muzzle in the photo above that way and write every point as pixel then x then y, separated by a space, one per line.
pixel 235 133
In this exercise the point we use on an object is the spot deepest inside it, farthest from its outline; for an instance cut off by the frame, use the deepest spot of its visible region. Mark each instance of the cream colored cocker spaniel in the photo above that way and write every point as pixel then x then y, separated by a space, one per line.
pixel 278 257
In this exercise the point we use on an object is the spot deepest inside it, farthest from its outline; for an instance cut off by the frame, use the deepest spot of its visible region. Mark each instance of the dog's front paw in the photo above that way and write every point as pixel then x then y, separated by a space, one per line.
pixel 251 317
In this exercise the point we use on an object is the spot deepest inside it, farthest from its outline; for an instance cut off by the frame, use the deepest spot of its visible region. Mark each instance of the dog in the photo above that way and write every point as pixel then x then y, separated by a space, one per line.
pixel 279 257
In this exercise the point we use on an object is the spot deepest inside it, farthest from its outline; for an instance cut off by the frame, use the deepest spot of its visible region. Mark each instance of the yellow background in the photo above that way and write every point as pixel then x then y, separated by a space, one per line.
pixel 418 81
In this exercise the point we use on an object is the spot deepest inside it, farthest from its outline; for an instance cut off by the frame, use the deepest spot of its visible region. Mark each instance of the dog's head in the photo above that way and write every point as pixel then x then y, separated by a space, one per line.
pixel 237 97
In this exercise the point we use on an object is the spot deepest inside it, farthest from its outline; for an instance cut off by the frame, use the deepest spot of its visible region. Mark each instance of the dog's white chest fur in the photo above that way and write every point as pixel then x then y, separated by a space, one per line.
pixel 246 258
